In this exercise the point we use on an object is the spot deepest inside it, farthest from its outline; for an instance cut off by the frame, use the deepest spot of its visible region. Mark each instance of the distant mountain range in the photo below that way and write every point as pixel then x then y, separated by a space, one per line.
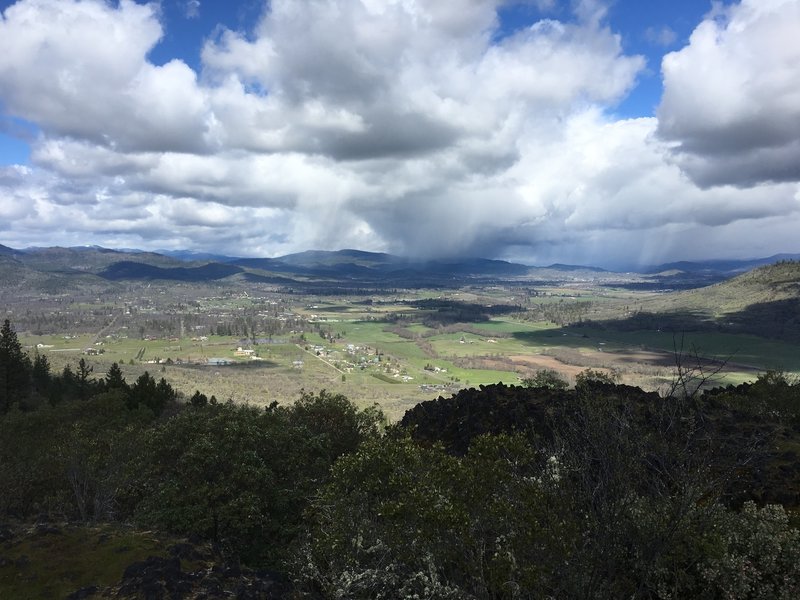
pixel 359 262
pixel 727 267
pixel 191 255
pixel 56 267
pixel 6 251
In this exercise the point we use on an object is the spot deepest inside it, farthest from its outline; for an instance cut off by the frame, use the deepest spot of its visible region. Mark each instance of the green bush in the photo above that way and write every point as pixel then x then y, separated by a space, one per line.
pixel 242 476
pixel 546 378
pixel 399 520
pixel 68 461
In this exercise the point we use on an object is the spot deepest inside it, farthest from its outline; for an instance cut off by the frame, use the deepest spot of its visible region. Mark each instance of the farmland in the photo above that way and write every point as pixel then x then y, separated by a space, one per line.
pixel 260 344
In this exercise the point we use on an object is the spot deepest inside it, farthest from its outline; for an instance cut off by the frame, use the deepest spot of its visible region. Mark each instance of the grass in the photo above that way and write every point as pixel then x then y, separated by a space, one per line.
pixel 509 326
pixel 487 349
pixel 735 348
pixel 385 378
pixel 53 565
pixel 473 345
pixel 488 346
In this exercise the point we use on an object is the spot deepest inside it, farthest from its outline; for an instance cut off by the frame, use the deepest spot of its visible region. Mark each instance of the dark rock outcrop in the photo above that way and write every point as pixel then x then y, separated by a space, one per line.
pixel 160 578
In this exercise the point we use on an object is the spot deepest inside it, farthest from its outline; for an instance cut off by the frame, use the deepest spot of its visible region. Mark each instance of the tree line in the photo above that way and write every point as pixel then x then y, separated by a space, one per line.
pixel 27 383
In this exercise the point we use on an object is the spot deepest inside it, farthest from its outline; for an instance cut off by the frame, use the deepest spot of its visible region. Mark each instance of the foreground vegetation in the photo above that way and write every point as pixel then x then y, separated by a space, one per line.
pixel 598 491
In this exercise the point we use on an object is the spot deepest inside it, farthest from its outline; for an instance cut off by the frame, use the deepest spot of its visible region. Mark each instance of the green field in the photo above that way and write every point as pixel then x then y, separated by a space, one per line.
pixel 740 349
pixel 479 353
pixel 395 349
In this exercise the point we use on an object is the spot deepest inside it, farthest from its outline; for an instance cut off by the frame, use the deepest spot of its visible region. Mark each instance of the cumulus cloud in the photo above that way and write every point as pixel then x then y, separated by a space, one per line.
pixel 13 203
pixel 384 125
pixel 592 187
pixel 79 69
pixel 400 79
pixel 731 97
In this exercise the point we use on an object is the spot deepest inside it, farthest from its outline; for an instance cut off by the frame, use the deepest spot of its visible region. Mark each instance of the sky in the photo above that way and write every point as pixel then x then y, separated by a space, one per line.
pixel 604 132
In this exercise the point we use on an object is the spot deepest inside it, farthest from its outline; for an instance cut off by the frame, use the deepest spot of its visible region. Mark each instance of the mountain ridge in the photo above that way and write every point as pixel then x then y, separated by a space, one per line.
pixel 337 266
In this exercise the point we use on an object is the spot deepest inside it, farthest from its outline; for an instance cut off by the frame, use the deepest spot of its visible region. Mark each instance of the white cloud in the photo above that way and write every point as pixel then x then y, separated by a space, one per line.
pixel 385 125
pixel 80 159
pixel 732 96
pixel 14 204
pixel 79 69
pixel 401 78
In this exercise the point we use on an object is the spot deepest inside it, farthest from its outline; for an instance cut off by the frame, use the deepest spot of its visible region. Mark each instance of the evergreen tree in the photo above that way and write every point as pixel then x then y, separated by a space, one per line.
pixel 83 382
pixel 114 378
pixel 143 389
pixel 15 368
pixel 68 387
pixel 165 394
pixel 40 374
pixel 155 396
pixel 198 399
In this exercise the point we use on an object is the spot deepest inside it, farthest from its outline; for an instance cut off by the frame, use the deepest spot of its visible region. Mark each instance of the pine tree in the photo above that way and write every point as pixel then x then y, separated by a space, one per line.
pixel 40 374
pixel 114 378
pixel 15 368
pixel 146 392
pixel 165 395
pixel 68 386
pixel 84 384
pixel 198 399
pixel 141 392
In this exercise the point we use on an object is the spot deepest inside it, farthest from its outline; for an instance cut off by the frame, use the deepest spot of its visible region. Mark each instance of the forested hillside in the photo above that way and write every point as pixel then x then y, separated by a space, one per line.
pixel 763 302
